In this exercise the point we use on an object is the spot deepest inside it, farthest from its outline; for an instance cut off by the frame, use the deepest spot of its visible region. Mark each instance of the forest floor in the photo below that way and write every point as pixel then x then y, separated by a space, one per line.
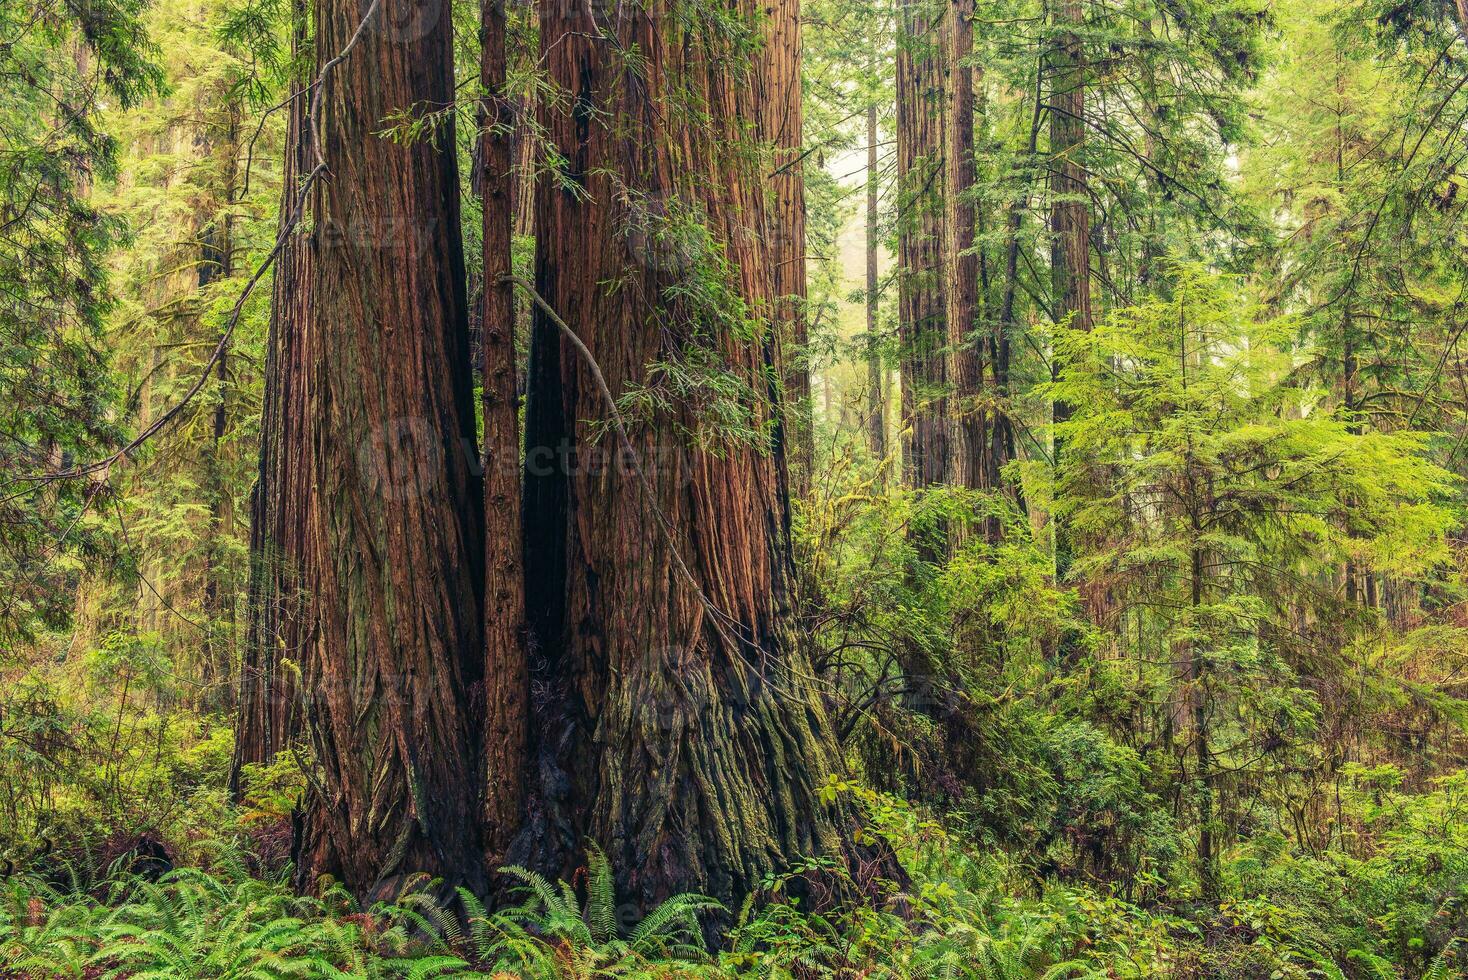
pixel 968 911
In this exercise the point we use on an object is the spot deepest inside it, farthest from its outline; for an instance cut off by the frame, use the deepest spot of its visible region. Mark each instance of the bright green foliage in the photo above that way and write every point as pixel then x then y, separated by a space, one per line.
pixel 200 188
pixel 554 935
pixel 191 924
pixel 57 67
pixel 1218 493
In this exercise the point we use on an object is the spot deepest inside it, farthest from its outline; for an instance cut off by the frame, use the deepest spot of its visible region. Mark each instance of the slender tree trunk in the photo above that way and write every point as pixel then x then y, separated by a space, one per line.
pixel 927 279
pixel 1007 324
pixel 1349 359
pixel 680 728
pixel 876 370
pixel 522 196
pixel 1197 692
pixel 1154 238
pixel 268 715
pixel 781 117
pixel 392 514
pixel 1070 216
pixel 506 676
pixel 1202 741
pixel 522 189
pixel 921 244
pixel 971 464
pixel 1352 571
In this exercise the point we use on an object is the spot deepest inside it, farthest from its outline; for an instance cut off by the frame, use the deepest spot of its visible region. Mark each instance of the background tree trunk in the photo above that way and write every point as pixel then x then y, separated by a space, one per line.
pixel 921 246
pixel 971 464
pixel 216 262
pixel 393 552
pixel 1070 215
pixel 781 117
pixel 876 369
pixel 680 729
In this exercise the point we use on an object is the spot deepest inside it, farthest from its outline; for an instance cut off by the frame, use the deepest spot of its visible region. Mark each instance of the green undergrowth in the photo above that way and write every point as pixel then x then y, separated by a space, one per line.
pixel 1396 910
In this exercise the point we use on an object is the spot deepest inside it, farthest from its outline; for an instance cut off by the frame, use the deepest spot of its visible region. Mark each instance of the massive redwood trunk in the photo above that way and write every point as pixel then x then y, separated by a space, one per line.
pixel 269 709
pixel 506 681
pixel 679 727
pixel 392 554
pixel 921 247
pixel 781 117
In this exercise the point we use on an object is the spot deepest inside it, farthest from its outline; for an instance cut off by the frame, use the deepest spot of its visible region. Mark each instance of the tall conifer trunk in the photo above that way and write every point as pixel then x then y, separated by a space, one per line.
pixel 781 117
pixel 506 680
pixel 679 729
pixel 876 369
pixel 269 711
pixel 391 511
pixel 972 466
pixel 1070 214
pixel 216 262
pixel 921 246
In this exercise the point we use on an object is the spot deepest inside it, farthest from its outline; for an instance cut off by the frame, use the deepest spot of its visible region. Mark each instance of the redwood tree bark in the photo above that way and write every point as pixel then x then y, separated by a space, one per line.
pixel 506 679
pixel 269 710
pixel 1070 214
pixel 679 727
pixel 921 246
pixel 781 118
pixel 972 465
pixel 391 509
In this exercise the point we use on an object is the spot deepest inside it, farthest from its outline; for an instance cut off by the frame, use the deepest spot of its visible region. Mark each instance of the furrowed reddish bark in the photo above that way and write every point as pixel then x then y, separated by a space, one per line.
pixel 679 726
pixel 392 554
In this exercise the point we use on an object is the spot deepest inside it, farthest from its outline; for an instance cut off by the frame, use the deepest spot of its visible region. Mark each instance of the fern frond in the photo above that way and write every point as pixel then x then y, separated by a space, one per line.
pixel 1376 967
pixel 601 910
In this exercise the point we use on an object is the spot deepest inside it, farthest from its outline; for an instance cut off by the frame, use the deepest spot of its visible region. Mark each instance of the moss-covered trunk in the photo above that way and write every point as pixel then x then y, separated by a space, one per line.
pixel 678 723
